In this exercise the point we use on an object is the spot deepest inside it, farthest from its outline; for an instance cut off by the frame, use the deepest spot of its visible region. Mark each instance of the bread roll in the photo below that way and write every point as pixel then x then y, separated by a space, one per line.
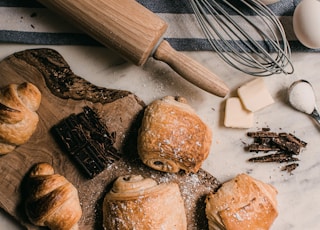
pixel 172 136
pixel 140 203
pixel 242 203
pixel 52 200
pixel 18 117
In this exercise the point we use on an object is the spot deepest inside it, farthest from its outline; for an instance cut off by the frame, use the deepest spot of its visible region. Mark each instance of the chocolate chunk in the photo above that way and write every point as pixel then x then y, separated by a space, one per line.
pixel 289 168
pixel 256 147
pixel 293 139
pixel 262 134
pixel 285 146
pixel 276 157
pixel 270 141
pixel 87 140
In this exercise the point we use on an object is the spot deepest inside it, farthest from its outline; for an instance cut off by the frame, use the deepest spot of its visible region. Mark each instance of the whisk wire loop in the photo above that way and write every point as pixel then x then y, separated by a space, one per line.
pixel 231 33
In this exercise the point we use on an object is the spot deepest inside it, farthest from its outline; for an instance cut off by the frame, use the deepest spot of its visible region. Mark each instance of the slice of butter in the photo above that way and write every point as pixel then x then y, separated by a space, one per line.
pixel 255 95
pixel 236 116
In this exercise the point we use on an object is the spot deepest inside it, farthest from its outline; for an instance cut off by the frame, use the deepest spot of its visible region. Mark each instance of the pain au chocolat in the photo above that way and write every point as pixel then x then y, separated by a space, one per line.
pixel 172 137
pixel 243 203
pixel 135 202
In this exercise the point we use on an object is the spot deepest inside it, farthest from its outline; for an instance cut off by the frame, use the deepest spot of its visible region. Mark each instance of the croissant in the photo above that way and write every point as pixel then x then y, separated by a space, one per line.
pixel 172 137
pixel 18 117
pixel 135 202
pixel 52 200
pixel 242 203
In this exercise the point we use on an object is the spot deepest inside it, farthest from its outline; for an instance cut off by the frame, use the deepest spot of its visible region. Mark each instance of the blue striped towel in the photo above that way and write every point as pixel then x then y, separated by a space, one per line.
pixel 28 22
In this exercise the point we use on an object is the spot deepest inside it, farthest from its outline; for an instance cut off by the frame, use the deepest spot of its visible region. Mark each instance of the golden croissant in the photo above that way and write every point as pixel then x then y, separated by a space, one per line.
pixel 135 202
pixel 18 117
pixel 242 203
pixel 52 200
pixel 172 137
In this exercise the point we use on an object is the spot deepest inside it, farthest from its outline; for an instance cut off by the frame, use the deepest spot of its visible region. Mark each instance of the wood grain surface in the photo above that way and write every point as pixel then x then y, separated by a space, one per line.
pixel 63 94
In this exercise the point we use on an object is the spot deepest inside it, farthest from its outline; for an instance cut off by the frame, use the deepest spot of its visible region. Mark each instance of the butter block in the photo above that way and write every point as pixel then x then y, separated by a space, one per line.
pixel 255 95
pixel 236 116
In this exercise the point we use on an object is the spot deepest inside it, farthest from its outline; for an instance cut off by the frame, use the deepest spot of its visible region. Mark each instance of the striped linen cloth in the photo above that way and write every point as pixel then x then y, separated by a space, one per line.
pixel 28 22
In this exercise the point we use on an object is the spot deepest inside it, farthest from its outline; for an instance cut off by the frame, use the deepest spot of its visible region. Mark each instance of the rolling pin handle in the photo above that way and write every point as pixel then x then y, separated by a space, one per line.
pixel 191 70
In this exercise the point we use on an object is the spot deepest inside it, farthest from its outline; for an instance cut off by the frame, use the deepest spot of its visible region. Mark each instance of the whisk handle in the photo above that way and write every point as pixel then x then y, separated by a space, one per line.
pixel 191 70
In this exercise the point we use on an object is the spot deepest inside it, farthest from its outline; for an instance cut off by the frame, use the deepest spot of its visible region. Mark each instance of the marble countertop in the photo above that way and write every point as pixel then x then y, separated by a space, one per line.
pixel 298 199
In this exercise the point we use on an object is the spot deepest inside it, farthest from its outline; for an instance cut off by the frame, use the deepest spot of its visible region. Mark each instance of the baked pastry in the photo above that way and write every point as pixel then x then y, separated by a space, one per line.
pixel 52 200
pixel 242 203
pixel 140 203
pixel 172 137
pixel 18 117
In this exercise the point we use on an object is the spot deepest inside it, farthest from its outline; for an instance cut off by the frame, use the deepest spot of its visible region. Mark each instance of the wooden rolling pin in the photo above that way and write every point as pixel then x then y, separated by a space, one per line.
pixel 136 34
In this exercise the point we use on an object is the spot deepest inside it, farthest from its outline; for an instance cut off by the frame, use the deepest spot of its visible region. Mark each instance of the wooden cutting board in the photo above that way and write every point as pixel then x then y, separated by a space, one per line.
pixel 63 94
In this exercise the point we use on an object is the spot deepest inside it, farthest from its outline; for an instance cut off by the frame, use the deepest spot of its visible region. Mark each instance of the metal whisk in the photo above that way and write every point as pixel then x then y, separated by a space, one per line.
pixel 246 34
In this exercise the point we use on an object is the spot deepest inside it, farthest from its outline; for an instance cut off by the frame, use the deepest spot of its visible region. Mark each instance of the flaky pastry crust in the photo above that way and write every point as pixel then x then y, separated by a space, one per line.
pixel 172 136
pixel 52 200
pixel 140 203
pixel 18 117
pixel 242 203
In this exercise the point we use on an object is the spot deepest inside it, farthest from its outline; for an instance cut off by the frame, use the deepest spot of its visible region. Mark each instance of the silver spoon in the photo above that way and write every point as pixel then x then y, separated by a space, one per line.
pixel 302 98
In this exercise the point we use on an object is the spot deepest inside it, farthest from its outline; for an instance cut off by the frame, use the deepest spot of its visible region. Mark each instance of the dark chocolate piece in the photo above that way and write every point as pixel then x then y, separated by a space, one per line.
pixel 88 141
pixel 270 141
pixel 256 147
pixel 289 168
pixel 293 139
pixel 262 134
pixel 285 146
pixel 276 157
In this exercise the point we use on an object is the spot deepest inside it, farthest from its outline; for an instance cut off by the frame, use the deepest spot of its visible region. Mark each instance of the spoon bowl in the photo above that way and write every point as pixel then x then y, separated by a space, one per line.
pixel 302 98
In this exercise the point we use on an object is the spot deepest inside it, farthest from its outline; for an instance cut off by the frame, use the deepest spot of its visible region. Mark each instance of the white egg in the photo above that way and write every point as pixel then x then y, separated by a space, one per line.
pixel 306 23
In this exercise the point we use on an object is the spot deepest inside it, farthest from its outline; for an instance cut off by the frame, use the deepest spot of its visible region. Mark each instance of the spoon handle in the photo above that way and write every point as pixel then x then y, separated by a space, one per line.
pixel 315 115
